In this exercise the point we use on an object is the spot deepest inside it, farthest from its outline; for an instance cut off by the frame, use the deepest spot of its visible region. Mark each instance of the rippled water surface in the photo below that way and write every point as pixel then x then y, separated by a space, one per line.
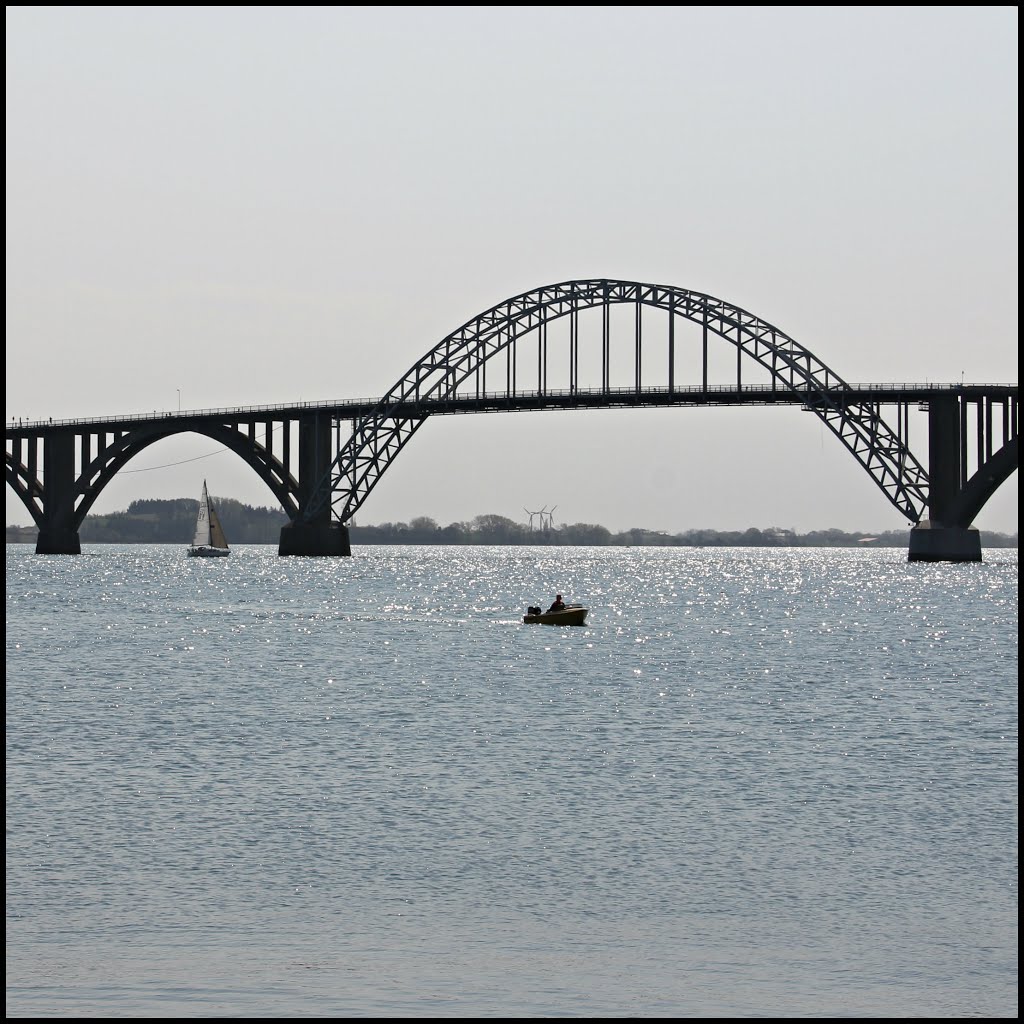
pixel 756 783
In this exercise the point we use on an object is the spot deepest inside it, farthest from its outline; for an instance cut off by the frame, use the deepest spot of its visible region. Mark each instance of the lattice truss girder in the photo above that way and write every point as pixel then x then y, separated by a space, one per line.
pixel 378 438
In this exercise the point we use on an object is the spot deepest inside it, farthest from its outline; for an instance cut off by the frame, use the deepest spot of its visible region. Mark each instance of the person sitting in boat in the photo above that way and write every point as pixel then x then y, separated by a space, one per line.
pixel 558 604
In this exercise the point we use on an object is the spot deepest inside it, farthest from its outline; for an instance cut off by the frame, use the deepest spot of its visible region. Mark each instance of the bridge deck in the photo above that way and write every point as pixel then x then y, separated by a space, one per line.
pixel 499 401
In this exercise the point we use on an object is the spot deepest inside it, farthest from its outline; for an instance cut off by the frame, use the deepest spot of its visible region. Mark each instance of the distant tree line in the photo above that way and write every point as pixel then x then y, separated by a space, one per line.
pixel 494 529
pixel 152 521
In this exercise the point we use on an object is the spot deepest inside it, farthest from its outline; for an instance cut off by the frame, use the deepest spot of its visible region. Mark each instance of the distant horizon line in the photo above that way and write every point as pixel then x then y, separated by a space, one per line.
pixel 863 535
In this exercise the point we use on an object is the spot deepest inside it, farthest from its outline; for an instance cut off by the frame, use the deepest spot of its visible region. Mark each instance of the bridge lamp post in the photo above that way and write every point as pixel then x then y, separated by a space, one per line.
pixel 179 399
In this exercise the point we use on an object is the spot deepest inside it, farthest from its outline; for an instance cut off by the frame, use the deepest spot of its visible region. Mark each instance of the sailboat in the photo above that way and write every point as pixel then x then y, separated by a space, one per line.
pixel 209 541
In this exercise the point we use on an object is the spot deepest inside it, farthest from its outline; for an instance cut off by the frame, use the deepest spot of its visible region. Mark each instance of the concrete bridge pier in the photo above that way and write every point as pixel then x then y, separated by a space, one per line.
pixel 941 538
pixel 932 542
pixel 300 538
pixel 58 534
pixel 320 534
pixel 58 540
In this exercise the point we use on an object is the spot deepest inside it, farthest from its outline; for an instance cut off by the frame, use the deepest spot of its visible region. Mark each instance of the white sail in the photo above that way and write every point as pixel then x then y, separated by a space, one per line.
pixel 203 531
pixel 209 539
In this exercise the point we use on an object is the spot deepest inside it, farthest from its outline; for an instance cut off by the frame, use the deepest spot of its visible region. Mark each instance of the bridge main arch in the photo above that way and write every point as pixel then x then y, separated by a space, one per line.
pixel 459 363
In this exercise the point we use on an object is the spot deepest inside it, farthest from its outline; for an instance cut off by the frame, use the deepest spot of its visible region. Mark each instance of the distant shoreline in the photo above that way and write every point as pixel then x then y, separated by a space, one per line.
pixel 748 538
pixel 153 521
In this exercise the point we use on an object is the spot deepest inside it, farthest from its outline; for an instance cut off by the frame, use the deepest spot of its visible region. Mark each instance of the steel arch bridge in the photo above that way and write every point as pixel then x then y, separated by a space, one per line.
pixel 579 344
pixel 456 369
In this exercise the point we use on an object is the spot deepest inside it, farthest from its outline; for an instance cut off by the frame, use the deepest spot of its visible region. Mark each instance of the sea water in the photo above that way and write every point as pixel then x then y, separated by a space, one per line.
pixel 757 782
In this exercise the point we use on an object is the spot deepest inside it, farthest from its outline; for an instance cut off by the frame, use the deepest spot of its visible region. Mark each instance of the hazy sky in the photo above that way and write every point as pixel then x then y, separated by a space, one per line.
pixel 247 205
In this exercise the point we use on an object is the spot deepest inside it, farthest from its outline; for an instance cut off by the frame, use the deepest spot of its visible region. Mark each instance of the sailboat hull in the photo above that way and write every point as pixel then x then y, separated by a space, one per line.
pixel 208 552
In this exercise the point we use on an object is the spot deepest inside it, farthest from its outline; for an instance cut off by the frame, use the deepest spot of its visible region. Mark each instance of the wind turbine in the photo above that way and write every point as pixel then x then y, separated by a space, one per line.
pixel 551 518
pixel 531 515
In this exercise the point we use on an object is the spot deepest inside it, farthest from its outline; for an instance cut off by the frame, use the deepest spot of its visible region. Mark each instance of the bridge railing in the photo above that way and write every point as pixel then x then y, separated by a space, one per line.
pixel 357 407
pixel 17 423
